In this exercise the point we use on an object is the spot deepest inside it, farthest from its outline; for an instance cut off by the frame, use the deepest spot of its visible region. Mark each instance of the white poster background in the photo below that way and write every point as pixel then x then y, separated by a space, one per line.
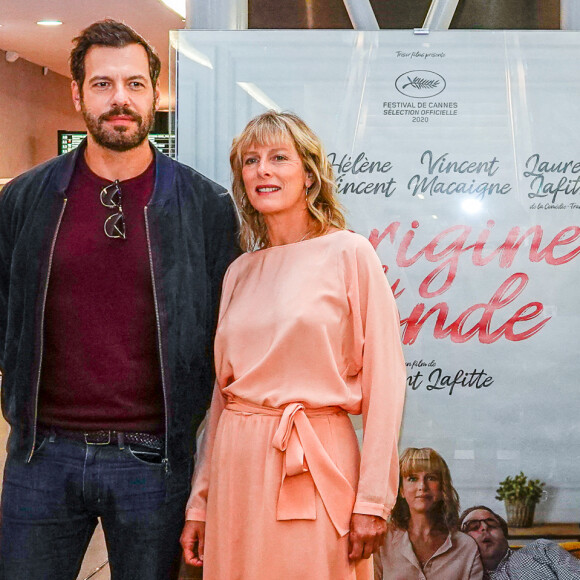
pixel 455 151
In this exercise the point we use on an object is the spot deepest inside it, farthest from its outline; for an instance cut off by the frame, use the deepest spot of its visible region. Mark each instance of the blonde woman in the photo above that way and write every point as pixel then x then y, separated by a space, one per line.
pixel 308 331
pixel 422 540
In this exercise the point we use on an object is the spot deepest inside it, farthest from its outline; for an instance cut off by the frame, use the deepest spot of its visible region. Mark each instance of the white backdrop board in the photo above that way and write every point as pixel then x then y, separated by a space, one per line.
pixel 457 156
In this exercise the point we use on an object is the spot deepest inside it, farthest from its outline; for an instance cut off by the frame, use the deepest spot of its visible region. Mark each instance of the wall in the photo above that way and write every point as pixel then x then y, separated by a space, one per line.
pixel 33 107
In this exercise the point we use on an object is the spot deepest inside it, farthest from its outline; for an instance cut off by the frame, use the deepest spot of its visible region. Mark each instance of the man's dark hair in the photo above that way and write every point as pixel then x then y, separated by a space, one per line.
pixel 502 523
pixel 112 34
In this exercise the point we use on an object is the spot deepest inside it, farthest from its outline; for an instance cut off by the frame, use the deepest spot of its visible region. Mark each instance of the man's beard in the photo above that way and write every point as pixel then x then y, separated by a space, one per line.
pixel 118 138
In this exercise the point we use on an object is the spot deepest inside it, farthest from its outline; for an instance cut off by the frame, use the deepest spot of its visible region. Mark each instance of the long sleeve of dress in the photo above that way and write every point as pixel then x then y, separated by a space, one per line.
pixel 196 505
pixel 383 380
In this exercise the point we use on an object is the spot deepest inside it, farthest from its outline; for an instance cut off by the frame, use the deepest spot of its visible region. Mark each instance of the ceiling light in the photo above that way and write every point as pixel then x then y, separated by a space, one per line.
pixel 49 22
pixel 176 5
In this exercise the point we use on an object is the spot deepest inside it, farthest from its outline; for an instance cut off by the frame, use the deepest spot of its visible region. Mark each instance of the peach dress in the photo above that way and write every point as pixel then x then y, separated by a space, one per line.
pixel 307 333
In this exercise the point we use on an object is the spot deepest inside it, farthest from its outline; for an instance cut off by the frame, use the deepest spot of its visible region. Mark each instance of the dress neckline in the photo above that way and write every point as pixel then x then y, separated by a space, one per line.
pixel 291 244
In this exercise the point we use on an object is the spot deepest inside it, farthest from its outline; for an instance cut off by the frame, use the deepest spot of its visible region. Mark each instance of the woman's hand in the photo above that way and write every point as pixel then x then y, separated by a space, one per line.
pixel 367 533
pixel 192 541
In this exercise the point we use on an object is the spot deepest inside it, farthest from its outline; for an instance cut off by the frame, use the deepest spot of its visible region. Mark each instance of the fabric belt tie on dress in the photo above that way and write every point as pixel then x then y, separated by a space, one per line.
pixel 304 453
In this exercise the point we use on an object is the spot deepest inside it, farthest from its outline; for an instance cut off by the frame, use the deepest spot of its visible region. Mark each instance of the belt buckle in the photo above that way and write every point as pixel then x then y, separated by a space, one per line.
pixel 97 435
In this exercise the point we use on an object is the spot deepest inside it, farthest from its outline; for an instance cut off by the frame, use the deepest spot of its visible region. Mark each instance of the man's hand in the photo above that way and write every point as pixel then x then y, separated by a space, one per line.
pixel 192 541
pixel 367 533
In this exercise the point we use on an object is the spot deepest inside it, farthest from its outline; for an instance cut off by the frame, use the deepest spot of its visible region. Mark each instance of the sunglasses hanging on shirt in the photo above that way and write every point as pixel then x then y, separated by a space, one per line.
pixel 111 199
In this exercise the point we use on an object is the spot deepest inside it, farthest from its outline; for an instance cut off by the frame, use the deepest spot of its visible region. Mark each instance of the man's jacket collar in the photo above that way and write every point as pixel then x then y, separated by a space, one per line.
pixel 164 173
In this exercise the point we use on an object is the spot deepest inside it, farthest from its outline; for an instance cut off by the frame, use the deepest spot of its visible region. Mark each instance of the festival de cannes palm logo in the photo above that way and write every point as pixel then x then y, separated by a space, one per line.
pixel 420 84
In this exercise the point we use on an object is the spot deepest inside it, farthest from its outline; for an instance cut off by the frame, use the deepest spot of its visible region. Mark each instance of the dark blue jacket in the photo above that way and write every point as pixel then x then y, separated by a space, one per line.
pixel 191 230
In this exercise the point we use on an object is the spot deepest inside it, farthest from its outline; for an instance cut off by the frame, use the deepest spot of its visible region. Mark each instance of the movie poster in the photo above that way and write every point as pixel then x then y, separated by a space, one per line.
pixel 456 156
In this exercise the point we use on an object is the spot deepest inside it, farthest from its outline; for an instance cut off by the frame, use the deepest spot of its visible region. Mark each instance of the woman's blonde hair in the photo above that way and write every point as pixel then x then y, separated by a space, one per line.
pixel 445 512
pixel 323 206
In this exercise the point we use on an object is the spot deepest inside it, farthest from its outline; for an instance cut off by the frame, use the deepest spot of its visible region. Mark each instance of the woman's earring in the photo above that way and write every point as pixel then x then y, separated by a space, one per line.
pixel 307 189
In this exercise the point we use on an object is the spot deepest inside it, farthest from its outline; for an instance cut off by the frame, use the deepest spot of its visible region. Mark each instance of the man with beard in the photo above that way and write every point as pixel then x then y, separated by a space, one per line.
pixel 111 260
pixel 540 560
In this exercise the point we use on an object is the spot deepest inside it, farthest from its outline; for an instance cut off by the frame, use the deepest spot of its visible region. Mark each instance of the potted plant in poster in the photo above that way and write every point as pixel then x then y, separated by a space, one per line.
pixel 520 496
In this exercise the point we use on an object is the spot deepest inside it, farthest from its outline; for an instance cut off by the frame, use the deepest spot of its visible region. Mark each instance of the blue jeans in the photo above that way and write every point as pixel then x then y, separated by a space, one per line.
pixel 50 508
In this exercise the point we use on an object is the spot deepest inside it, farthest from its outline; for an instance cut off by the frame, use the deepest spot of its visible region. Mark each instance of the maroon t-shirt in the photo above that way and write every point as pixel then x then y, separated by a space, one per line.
pixel 100 365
